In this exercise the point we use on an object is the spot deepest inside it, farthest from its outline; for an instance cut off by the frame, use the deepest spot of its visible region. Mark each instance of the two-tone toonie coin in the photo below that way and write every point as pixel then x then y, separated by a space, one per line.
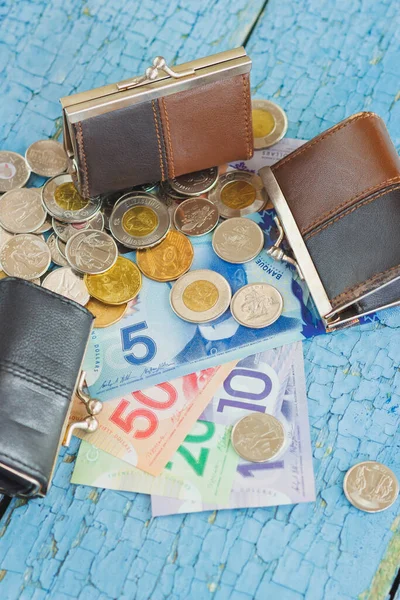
pixel 139 221
pixel 67 283
pixel 371 486
pixel 200 296
pixel 258 437
pixel 91 251
pixel 194 184
pixel 26 256
pixel 238 193
pixel 257 305
pixel 196 216
pixel 167 261
pixel 21 210
pixel 118 285
pixel 63 201
pixel 105 314
pixel 56 256
pixel 46 158
pixel 269 123
pixel 14 171
pixel 238 240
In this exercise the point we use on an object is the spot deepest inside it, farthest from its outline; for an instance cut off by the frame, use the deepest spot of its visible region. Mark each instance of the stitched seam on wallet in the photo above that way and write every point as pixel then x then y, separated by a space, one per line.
pixel 85 187
pixel 339 298
pixel 246 96
pixel 171 155
pixel 153 104
pixel 40 380
pixel 353 209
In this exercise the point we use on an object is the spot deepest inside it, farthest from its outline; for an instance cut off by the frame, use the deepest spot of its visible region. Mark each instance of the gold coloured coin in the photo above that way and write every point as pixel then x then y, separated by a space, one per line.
pixel 371 486
pixel 200 295
pixel 238 194
pixel 68 198
pixel 118 285
pixel 167 261
pixel 263 122
pixel 105 314
pixel 269 123
pixel 140 221
pixel 258 437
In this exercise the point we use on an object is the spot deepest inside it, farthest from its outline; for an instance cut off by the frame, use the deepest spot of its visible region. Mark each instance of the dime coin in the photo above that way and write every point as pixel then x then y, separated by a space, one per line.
pixel 200 296
pixel 56 256
pixel 61 247
pixel 139 221
pixel 46 158
pixel 194 184
pixel 168 260
pixel 196 216
pixel 14 172
pixel 21 210
pixel 258 437
pixel 91 251
pixel 257 305
pixel 238 193
pixel 63 201
pixel 238 240
pixel 371 486
pixel 269 123
pixel 105 314
pixel 26 256
pixel 67 283
pixel 118 285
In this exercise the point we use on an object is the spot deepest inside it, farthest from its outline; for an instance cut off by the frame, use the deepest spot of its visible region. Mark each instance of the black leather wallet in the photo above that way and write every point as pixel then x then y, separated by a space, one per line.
pixel 43 338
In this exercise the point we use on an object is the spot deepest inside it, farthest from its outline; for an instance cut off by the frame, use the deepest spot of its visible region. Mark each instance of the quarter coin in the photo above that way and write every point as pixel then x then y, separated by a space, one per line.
pixel 63 201
pixel 64 231
pixel 4 236
pixel 47 225
pixel 196 216
pixel 56 256
pixel 258 437
pixel 91 251
pixel 105 314
pixel 238 240
pixel 167 193
pixel 139 221
pixel 200 296
pixel 118 285
pixel 67 283
pixel 194 184
pixel 257 305
pixel 46 158
pixel 21 210
pixel 26 256
pixel 371 486
pixel 238 193
pixel 269 123
pixel 14 171
pixel 168 260
pixel 61 247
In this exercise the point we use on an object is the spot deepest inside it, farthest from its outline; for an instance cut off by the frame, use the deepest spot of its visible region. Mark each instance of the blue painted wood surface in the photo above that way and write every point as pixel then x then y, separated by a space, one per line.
pixel 321 61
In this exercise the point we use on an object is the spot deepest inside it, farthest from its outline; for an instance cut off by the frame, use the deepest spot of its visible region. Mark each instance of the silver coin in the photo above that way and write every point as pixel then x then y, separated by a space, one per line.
pixel 196 216
pixel 61 247
pixel 21 210
pixel 194 184
pixel 91 252
pixel 371 486
pixel 258 437
pixel 269 123
pixel 238 193
pixel 139 221
pixel 200 296
pixel 64 231
pixel 257 305
pixel 56 256
pixel 166 192
pixel 26 256
pixel 47 225
pixel 238 240
pixel 67 283
pixel 148 187
pixel 5 236
pixel 47 158
pixel 14 171
pixel 62 201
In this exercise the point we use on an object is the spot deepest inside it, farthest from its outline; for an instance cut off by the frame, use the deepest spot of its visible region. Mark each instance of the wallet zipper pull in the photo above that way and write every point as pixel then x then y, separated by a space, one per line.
pixel 151 74
pixel 93 406
pixel 278 254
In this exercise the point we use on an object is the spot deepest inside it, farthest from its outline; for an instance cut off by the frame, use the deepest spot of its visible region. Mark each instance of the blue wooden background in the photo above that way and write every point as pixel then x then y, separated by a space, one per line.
pixel 322 61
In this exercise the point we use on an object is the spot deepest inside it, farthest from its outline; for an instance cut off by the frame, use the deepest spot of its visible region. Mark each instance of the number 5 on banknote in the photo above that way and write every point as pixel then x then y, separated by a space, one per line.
pixel 130 339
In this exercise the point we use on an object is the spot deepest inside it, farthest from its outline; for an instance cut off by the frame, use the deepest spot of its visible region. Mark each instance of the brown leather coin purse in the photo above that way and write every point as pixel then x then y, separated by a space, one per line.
pixel 337 198
pixel 165 124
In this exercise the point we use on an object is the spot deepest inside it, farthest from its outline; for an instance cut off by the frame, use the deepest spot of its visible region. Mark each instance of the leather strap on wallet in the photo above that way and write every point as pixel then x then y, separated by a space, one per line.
pixel 338 201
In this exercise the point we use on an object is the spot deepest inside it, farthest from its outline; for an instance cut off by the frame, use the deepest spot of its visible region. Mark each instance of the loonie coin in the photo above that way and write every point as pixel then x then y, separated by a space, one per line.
pixel 371 486
pixel 194 184
pixel 26 256
pixel 139 221
pixel 257 305
pixel 118 285
pixel 14 172
pixel 269 123
pixel 196 216
pixel 46 158
pixel 67 283
pixel 47 225
pixel 238 240
pixel 258 437
pixel 91 251
pixel 21 210
pixel 168 260
pixel 200 296
pixel 238 193
pixel 105 314
pixel 61 246
pixel 63 201
pixel 56 256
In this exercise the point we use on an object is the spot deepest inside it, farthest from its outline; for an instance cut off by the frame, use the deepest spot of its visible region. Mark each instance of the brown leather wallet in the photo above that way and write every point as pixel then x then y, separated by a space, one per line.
pixel 165 124
pixel 338 200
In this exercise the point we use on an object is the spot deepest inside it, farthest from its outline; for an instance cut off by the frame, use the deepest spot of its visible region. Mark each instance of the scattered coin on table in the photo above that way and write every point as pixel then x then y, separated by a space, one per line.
pixel 118 285
pixel 167 261
pixel 371 486
pixel 46 158
pixel 67 283
pixel 21 210
pixel 47 226
pixel 14 171
pixel 196 216
pixel 258 437
pixel 238 240
pixel 269 123
pixel 61 246
pixel 56 256
pixel 194 184
pixel 4 235
pixel 105 314
pixel 63 201
pixel 168 193
pixel 238 193
pixel 257 305
pixel 200 296
pixel 92 252
pixel 26 256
